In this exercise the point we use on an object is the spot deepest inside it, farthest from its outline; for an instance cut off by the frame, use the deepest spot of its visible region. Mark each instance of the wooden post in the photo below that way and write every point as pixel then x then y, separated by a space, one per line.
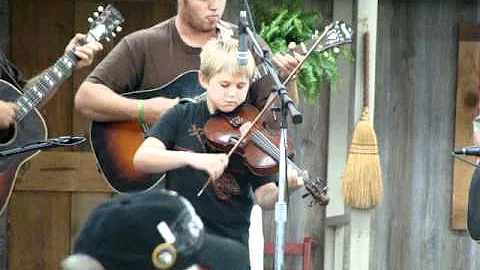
pixel 339 141
pixel 348 247
pixel 360 221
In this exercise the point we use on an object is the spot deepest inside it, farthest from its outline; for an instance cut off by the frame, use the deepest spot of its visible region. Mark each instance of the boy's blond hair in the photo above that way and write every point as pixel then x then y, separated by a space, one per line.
pixel 220 55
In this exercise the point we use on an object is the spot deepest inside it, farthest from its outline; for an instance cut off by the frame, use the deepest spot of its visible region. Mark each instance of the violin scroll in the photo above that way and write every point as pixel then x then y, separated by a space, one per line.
pixel 318 191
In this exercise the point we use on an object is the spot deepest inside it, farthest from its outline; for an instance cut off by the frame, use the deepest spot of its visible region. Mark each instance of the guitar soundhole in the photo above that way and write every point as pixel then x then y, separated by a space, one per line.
pixel 7 135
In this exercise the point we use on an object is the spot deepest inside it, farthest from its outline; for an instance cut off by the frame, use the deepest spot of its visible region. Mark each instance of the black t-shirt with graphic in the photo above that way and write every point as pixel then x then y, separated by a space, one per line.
pixel 226 204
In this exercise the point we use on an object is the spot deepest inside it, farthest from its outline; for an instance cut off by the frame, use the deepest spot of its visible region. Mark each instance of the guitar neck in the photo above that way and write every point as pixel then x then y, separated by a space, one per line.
pixel 45 84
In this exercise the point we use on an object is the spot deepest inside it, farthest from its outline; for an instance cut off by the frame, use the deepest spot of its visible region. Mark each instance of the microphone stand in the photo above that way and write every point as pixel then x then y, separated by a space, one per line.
pixel 286 107
pixel 48 143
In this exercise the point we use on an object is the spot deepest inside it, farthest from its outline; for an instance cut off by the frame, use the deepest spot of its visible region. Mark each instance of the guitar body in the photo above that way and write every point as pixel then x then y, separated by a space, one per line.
pixel 115 143
pixel 31 128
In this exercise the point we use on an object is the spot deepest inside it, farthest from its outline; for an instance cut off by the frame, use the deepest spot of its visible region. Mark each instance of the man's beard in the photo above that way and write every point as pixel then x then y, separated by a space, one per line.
pixel 196 22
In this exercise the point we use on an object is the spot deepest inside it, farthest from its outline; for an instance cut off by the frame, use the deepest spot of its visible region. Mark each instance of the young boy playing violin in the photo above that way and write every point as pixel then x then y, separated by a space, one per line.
pixel 177 145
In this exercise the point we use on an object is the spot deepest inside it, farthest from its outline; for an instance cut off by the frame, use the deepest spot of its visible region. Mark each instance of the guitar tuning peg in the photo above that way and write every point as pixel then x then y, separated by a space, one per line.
pixel 90 20
pixel 95 14
pixel 336 50
pixel 119 29
pixel 113 34
pixel 108 39
pixel 100 8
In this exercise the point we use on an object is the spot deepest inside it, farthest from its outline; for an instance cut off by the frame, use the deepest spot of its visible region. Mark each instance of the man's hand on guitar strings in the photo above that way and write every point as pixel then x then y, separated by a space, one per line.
pixel 8 111
pixel 85 53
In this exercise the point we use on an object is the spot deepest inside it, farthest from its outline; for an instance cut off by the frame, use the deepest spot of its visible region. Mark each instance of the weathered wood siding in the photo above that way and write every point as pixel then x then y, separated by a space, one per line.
pixel 414 120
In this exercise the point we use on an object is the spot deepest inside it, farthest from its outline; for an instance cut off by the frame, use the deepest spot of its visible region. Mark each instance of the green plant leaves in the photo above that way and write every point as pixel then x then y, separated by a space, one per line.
pixel 289 24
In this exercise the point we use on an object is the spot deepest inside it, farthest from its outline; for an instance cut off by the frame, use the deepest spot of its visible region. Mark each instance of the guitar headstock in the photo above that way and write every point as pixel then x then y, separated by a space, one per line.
pixel 318 190
pixel 335 34
pixel 105 24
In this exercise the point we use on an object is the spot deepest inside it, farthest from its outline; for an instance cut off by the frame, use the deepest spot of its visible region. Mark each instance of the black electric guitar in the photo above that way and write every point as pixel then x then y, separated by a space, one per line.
pixel 29 125
pixel 473 212
pixel 115 143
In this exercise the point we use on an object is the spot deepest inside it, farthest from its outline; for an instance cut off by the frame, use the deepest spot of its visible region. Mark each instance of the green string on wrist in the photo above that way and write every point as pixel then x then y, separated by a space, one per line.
pixel 141 112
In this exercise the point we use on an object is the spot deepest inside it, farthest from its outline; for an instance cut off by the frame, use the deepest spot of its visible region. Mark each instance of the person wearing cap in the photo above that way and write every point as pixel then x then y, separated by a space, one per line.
pixel 176 145
pixel 158 229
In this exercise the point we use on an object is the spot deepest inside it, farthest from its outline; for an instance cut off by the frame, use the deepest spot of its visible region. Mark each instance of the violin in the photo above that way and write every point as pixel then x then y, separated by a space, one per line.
pixel 259 148
pixel 267 153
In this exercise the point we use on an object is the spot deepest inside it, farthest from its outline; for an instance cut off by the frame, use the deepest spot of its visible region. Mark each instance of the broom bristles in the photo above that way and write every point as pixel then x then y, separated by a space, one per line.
pixel 362 180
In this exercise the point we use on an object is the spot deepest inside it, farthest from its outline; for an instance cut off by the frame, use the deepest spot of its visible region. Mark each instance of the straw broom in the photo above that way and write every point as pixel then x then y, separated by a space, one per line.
pixel 362 180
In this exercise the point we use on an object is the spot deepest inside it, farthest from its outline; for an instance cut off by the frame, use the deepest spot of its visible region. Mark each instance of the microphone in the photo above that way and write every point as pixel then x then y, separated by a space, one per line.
pixel 469 151
pixel 242 57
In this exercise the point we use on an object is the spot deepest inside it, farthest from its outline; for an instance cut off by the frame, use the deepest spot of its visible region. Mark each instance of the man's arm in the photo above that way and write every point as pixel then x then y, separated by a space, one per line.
pixel 100 103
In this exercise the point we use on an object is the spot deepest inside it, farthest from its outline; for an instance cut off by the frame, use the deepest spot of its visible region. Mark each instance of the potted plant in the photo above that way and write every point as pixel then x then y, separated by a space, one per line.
pixel 288 23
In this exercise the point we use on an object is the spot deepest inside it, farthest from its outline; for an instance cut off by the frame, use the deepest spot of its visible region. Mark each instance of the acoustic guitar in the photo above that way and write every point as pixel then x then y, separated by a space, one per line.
pixel 115 143
pixel 29 125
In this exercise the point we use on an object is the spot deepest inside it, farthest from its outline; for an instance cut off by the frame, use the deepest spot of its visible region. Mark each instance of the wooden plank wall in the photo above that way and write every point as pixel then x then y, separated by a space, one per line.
pixel 57 190
pixel 414 118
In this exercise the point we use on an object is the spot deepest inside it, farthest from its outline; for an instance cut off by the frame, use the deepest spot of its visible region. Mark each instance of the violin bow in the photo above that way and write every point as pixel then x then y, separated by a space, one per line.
pixel 271 99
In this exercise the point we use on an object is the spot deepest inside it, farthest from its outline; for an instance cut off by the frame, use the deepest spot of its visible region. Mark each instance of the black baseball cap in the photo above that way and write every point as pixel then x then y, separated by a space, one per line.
pixel 123 233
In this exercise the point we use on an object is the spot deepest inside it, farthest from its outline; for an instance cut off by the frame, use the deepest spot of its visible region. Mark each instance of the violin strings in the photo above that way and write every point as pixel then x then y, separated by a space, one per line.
pixel 273 150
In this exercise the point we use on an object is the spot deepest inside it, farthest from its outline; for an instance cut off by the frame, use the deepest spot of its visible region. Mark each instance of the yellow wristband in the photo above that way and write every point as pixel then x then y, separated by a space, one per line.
pixel 141 112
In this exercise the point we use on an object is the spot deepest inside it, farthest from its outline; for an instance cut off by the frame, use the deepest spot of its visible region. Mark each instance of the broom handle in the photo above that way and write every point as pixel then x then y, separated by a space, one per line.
pixel 366 68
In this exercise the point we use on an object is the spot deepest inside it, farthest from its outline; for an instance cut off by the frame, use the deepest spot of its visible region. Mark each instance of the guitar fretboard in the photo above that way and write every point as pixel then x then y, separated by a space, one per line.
pixel 45 84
